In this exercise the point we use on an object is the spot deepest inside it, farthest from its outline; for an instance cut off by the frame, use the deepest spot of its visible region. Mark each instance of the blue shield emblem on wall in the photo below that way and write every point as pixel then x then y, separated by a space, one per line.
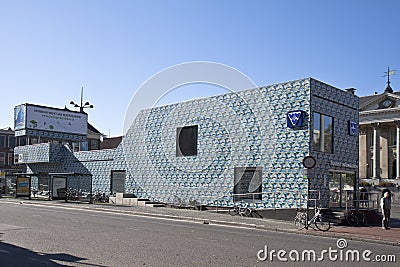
pixel 294 118
pixel 353 128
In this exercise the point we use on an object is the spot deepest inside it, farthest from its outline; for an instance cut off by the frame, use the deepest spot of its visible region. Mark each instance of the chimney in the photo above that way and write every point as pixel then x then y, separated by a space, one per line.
pixel 351 90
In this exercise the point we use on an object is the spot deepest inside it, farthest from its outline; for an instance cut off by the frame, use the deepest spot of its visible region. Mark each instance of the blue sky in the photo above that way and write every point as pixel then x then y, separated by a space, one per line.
pixel 50 49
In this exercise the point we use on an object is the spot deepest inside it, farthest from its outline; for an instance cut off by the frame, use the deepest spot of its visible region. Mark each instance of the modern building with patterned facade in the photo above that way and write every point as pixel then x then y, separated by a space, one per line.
pixel 246 146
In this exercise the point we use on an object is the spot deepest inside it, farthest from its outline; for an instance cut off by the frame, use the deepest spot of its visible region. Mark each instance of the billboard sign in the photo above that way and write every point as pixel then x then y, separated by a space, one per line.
pixel 19 117
pixel 39 118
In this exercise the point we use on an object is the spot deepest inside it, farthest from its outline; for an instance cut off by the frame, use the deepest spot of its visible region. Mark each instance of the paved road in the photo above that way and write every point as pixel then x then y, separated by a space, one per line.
pixel 37 235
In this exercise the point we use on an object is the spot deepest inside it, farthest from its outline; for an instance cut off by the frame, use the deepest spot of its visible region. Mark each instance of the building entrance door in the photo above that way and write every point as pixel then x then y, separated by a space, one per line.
pixel 341 186
pixel 118 179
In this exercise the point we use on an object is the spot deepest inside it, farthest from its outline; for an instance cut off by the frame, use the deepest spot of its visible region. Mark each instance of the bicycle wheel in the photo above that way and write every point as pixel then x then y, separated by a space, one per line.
pixel 322 223
pixel 300 220
pixel 362 219
pixel 234 211
pixel 246 212
pixel 177 203
pixel 352 219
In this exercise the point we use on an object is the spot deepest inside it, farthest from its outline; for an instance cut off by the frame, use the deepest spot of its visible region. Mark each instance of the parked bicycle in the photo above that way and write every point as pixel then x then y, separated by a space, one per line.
pixel 182 204
pixel 243 211
pixel 301 221
pixel 356 217
pixel 71 194
pixel 102 198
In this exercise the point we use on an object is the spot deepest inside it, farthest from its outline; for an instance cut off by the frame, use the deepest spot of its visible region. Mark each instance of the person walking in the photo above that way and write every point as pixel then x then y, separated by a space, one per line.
pixel 385 207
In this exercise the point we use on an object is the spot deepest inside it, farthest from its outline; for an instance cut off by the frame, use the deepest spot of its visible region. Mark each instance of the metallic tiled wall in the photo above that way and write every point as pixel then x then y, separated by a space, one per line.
pixel 244 129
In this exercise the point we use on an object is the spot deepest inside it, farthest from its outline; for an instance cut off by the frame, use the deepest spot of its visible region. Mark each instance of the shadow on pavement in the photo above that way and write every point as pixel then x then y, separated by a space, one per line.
pixel 11 255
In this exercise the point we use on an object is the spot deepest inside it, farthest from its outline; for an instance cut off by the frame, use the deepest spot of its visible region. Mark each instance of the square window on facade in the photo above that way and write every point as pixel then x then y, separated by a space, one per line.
pixel 94 144
pixel 186 141
pixel 248 183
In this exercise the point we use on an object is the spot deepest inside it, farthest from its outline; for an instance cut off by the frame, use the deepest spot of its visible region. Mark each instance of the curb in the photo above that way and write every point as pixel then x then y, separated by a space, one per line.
pixel 216 222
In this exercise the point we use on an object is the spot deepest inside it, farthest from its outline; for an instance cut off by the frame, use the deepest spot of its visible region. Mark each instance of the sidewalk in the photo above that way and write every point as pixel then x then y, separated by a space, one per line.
pixel 370 234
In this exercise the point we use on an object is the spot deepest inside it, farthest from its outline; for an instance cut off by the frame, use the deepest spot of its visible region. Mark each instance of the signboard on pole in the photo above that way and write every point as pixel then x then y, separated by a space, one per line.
pixel 309 162
pixel 23 186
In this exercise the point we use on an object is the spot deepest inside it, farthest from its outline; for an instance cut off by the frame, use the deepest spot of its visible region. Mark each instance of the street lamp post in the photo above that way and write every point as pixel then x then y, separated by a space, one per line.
pixel 81 106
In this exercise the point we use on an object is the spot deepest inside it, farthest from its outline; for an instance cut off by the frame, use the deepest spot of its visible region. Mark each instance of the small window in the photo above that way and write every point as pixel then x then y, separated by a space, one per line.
pixel 75 146
pixel 10 159
pixel 22 141
pixel 186 141
pixel 94 144
pixel 370 138
pixel 248 183
pixel 84 146
pixel 11 141
pixel 2 158
pixel 392 137
pixel 2 141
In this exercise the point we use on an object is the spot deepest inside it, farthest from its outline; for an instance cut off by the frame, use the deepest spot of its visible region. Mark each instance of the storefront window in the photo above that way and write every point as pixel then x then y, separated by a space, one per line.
pixel 341 186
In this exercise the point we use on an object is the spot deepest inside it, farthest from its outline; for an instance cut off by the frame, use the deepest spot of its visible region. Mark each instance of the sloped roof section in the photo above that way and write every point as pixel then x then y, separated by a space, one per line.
pixel 110 143
pixel 92 128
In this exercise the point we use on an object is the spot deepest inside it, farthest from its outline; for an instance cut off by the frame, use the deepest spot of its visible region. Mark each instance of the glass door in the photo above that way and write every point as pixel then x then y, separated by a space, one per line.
pixel 334 188
pixel 348 182
pixel 341 187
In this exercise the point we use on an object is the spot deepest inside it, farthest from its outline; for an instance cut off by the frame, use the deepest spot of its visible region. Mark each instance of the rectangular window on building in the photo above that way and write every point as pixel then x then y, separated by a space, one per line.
pixel 392 137
pixel 118 181
pixel 34 140
pixel 317 131
pixel 186 141
pixel 371 138
pixel 11 141
pixel 22 141
pixel 2 158
pixel 323 133
pixel 94 144
pixel 2 141
pixel 248 183
pixel 84 146
pixel 10 159
pixel 75 146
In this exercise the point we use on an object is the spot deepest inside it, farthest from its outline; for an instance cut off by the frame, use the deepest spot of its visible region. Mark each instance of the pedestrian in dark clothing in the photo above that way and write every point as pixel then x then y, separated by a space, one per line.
pixel 385 207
